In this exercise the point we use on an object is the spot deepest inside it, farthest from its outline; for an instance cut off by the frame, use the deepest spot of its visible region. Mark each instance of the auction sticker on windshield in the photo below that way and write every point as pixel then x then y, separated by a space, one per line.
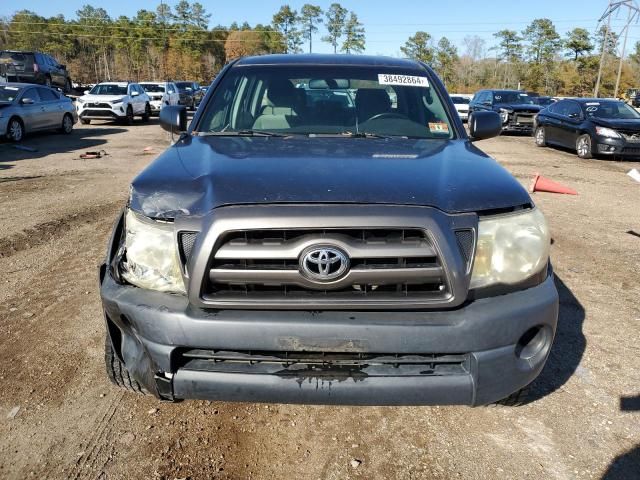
pixel 407 80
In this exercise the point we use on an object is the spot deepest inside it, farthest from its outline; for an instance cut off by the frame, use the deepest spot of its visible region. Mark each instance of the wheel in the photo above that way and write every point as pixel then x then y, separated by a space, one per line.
pixel 516 399
pixel 85 121
pixel 67 124
pixel 147 113
pixel 583 146
pixel 117 372
pixel 47 81
pixel 540 137
pixel 15 130
pixel 129 118
pixel 67 86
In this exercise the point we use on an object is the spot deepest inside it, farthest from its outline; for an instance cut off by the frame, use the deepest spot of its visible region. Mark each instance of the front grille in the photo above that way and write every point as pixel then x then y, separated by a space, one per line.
pixel 296 363
pixel 98 105
pixel 98 113
pixel 526 118
pixel 630 136
pixel 631 150
pixel 385 264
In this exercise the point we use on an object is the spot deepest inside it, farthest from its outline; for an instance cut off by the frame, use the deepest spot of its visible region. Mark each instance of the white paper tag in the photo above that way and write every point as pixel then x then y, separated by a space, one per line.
pixel 405 80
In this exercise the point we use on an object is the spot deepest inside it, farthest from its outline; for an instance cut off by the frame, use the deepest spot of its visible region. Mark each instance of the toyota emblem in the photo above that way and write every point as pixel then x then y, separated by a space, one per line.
pixel 323 264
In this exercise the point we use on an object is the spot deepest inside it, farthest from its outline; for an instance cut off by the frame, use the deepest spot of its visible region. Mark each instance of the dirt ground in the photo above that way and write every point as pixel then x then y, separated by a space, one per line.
pixel 61 418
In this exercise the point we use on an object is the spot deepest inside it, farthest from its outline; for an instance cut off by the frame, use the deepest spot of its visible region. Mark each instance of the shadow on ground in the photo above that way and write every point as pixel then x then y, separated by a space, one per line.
pixel 47 143
pixel 568 346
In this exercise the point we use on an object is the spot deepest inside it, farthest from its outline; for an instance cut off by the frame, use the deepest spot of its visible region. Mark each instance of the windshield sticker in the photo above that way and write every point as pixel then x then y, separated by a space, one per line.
pixel 592 109
pixel 11 88
pixel 438 127
pixel 408 80
pixel 592 103
pixel 498 97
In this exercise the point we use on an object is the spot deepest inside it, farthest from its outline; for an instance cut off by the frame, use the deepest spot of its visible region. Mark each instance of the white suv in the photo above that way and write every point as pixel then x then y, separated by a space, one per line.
pixel 114 101
pixel 161 94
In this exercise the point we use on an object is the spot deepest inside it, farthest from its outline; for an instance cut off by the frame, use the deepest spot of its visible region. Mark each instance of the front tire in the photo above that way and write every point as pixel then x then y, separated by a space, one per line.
pixel 129 117
pixel 67 124
pixel 147 113
pixel 85 121
pixel 47 81
pixel 540 137
pixel 117 372
pixel 584 146
pixel 15 130
pixel 67 86
pixel 516 399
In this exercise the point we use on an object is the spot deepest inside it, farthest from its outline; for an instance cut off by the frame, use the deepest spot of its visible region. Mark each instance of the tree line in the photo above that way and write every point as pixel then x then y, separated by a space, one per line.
pixel 177 42
pixel 536 59
pixel 172 42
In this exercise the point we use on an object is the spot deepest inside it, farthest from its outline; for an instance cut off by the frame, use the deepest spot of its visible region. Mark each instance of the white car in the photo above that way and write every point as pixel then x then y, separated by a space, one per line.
pixel 161 94
pixel 461 102
pixel 114 101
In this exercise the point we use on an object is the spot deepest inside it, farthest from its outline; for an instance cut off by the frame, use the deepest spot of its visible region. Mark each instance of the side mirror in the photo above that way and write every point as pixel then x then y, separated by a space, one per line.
pixel 173 118
pixel 484 125
pixel 134 94
pixel 27 101
pixel 86 92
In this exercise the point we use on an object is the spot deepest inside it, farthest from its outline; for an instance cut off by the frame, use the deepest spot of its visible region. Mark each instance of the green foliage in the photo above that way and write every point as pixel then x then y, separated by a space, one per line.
pixel 335 21
pixel 543 40
pixel 285 21
pixel 578 42
pixel 419 47
pixel 310 17
pixel 354 36
pixel 611 45
pixel 510 47
pixel 445 60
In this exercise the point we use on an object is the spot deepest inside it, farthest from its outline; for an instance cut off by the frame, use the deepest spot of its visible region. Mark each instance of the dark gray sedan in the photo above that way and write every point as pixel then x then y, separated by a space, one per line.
pixel 26 108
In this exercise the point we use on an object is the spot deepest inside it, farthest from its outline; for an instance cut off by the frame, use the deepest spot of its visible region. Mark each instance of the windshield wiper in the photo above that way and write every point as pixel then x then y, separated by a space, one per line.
pixel 242 133
pixel 368 135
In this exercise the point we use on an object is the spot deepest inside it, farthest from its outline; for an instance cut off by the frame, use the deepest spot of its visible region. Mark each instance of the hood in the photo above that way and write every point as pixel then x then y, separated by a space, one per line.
pixel 155 95
pixel 519 107
pixel 623 124
pixel 101 98
pixel 199 174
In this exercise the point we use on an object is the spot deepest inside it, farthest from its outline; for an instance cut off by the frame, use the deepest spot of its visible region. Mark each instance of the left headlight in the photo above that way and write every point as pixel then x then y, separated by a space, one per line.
pixel 151 255
pixel 504 114
pixel 510 249
pixel 607 132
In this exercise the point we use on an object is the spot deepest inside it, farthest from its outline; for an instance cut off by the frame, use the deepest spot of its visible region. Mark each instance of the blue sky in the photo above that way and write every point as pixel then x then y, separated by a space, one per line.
pixel 388 24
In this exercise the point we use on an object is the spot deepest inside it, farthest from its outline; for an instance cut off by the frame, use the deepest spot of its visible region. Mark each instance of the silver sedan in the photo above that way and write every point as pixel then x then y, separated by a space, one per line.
pixel 26 108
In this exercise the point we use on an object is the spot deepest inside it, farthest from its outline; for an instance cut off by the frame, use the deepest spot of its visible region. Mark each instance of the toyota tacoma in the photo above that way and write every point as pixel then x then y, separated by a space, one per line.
pixel 325 232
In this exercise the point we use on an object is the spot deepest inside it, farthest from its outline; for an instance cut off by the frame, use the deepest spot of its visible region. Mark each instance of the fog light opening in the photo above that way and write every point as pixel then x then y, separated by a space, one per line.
pixel 532 342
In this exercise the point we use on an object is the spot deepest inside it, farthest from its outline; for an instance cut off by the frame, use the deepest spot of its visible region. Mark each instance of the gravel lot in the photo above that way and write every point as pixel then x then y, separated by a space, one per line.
pixel 60 417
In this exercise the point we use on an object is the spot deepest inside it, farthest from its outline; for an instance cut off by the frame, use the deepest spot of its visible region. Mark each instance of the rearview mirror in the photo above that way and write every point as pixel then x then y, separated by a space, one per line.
pixel 484 125
pixel 27 101
pixel 329 83
pixel 173 118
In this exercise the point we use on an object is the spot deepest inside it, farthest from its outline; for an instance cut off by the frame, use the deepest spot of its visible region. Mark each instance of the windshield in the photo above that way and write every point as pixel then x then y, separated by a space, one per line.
pixel 184 85
pixel 152 87
pixel 512 97
pixel 8 94
pixel 316 100
pixel 108 89
pixel 460 100
pixel 619 110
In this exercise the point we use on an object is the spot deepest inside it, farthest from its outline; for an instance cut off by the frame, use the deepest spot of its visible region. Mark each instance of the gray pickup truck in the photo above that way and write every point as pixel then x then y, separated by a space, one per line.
pixel 326 232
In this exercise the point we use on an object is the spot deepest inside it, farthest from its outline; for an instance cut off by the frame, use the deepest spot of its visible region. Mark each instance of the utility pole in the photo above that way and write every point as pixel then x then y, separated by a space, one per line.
pixel 633 13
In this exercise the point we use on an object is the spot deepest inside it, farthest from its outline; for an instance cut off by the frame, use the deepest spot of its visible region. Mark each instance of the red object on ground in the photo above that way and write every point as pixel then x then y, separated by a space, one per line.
pixel 543 184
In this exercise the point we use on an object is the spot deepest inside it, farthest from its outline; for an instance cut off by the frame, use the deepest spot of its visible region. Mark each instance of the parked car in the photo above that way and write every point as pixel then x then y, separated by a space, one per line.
pixel 161 94
pixel 26 108
pixel 190 94
pixel 543 101
pixel 33 67
pixel 517 110
pixel 375 256
pixel 120 101
pixel 461 102
pixel 591 126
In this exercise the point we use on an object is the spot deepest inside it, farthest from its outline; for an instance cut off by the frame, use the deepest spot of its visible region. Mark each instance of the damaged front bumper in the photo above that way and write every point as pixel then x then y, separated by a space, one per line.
pixel 472 355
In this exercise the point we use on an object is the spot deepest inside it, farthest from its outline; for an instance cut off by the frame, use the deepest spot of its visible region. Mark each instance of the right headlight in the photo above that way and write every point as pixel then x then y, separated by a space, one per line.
pixel 510 249
pixel 151 255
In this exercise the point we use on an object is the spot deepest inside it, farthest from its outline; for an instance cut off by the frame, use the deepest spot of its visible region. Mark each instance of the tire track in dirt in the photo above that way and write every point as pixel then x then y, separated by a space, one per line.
pixel 46 232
